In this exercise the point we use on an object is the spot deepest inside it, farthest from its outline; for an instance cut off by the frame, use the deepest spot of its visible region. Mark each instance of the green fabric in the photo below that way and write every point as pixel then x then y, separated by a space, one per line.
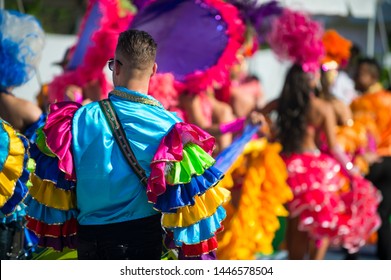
pixel 31 169
pixel 41 143
pixel 69 254
pixel 50 254
pixel 195 161
pixel 168 254
pixel 280 234
pixel 31 165
pixel 279 238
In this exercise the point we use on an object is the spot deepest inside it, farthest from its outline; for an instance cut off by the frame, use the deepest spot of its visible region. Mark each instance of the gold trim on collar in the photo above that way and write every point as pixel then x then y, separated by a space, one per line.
pixel 134 98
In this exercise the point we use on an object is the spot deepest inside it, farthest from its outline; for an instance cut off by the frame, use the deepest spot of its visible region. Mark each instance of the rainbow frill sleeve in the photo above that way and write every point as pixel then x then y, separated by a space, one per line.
pixel 183 186
pixel 13 173
pixel 52 198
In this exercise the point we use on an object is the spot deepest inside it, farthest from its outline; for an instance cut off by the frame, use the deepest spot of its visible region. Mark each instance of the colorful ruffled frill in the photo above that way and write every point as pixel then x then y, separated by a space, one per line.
pixel 51 201
pixel 257 181
pixel 183 186
pixel 329 204
pixel 13 173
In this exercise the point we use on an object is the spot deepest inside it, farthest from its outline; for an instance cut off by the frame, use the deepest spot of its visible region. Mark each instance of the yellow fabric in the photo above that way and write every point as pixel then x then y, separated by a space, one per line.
pixel 13 166
pixel 46 193
pixel 204 207
pixel 259 191
pixel 373 110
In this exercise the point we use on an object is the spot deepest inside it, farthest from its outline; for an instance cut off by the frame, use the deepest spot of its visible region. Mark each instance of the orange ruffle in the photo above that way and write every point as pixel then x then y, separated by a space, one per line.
pixel 257 181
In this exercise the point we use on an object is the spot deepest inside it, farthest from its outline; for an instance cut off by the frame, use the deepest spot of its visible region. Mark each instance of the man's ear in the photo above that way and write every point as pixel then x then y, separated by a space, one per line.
pixel 154 69
pixel 117 68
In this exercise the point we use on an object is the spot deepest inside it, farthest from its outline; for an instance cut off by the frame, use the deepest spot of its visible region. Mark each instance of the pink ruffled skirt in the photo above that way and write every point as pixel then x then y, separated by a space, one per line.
pixel 328 203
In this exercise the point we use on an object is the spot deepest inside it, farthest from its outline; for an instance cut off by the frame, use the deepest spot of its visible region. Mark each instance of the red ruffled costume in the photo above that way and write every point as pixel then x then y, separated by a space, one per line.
pixel 330 204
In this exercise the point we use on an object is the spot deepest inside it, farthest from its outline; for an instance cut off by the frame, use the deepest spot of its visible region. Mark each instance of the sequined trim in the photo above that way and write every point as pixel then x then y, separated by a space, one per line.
pixel 137 99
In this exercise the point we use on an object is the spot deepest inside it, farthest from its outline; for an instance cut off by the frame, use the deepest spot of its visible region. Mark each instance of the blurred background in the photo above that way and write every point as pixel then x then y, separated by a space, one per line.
pixel 367 23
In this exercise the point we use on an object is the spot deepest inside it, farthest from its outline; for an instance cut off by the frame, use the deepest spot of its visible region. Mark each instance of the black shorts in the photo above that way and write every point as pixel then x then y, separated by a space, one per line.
pixel 139 239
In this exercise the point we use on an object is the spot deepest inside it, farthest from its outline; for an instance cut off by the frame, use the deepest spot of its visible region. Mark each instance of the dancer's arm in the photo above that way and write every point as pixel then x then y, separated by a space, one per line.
pixel 329 126
pixel 18 112
pixel 269 107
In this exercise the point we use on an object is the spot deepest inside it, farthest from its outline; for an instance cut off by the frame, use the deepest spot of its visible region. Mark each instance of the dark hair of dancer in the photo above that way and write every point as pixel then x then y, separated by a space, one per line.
pixel 293 106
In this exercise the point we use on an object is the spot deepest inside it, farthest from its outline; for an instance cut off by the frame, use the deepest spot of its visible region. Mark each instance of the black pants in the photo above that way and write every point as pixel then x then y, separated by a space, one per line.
pixel 7 233
pixel 380 176
pixel 134 240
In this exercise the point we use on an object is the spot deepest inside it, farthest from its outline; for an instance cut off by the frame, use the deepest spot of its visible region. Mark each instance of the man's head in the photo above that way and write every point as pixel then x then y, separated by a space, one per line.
pixel 367 74
pixel 135 57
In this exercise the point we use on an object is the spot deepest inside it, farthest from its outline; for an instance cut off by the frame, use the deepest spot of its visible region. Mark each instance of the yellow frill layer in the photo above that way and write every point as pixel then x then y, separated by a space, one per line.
pixel 252 213
pixel 13 165
pixel 204 207
pixel 46 193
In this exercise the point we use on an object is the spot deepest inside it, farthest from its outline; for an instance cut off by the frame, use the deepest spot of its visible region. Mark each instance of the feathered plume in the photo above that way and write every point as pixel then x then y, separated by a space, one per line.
pixel 21 42
pixel 297 37
pixel 258 16
pixel 337 48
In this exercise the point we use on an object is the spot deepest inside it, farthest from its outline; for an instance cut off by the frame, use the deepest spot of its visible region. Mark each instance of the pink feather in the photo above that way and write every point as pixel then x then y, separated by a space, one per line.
pixel 295 36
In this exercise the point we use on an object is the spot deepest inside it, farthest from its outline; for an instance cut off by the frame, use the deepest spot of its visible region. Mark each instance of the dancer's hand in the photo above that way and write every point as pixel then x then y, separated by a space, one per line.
pixel 372 158
pixel 256 118
pixel 74 93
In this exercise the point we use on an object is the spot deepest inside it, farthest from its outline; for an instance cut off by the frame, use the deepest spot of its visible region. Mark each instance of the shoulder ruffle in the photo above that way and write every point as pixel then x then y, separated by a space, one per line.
pixel 182 185
pixel 47 193
pixel 170 151
pixel 51 204
pixel 47 169
pixel 52 208
pixel 204 206
pixel 181 195
pixel 49 215
pixel 13 172
pixel 58 131
pixel 18 215
pixel 54 236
